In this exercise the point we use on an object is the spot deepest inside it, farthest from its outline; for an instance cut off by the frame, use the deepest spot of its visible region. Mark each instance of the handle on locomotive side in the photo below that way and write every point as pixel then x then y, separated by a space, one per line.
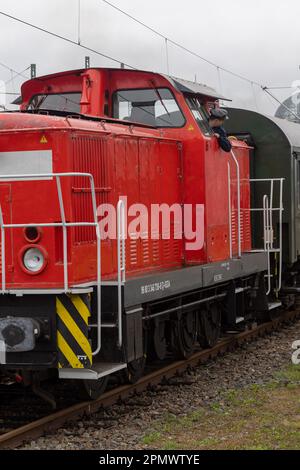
pixel 121 263
pixel 238 202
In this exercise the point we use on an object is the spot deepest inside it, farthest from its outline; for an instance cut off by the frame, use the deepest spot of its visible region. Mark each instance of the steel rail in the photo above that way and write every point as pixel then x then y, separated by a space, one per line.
pixel 51 423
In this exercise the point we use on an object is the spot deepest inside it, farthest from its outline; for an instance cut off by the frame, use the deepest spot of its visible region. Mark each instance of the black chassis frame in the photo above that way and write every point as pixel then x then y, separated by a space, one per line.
pixel 144 299
pixel 175 292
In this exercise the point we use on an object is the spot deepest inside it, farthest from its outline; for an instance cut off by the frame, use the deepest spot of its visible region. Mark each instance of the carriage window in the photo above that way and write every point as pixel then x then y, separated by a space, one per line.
pixel 200 114
pixel 153 107
pixel 69 102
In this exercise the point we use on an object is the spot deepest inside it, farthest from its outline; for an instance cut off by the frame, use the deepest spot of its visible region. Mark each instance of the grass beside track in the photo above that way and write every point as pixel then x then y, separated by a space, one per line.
pixel 261 417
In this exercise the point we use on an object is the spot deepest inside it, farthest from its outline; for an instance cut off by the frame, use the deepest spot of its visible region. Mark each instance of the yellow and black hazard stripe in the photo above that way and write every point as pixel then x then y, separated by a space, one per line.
pixel 74 348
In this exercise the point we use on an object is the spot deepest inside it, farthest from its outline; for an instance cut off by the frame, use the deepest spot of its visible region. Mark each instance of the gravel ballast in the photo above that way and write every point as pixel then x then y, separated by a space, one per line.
pixel 122 427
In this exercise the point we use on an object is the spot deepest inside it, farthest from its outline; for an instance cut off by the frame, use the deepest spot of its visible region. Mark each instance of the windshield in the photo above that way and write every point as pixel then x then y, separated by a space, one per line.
pixel 153 107
pixel 69 102
pixel 200 114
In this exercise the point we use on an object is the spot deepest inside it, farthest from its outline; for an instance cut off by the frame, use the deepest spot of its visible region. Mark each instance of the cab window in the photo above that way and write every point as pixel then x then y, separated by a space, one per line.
pixel 155 107
pixel 69 102
pixel 200 114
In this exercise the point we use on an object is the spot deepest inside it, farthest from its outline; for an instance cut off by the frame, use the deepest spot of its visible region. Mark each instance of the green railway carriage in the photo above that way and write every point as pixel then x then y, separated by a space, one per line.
pixel 275 155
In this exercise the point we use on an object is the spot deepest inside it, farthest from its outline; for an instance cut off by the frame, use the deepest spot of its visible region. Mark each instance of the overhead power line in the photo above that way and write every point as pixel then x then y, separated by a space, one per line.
pixel 18 74
pixel 167 40
pixel 63 38
pixel 281 87
pixel 12 70
pixel 15 74
pixel 281 103
pixel 218 67
pixel 181 46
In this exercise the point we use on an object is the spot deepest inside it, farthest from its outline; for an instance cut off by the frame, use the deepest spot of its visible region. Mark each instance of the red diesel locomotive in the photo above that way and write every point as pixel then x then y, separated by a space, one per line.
pixel 83 306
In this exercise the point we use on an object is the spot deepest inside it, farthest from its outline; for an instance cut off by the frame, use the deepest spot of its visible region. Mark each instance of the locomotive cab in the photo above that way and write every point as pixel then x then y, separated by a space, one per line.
pixel 180 110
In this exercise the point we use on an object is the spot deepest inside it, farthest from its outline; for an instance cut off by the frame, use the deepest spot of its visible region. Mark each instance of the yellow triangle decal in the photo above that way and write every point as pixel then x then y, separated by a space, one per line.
pixel 44 140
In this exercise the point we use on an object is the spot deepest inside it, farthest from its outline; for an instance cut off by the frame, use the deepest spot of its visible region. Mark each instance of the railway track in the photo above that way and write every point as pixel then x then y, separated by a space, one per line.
pixel 52 422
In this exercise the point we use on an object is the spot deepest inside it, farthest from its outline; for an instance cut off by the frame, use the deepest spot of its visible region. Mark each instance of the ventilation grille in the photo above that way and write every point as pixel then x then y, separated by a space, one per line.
pixel 247 228
pixel 89 156
pixel 234 227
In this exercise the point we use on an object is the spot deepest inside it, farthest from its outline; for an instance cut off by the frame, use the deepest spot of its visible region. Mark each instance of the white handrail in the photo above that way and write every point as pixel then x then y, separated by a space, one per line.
pixel 238 202
pixel 121 265
pixel 99 296
pixel 64 224
pixel 271 212
pixel 268 215
pixel 3 268
pixel 267 238
pixel 280 235
pixel 65 232
pixel 229 210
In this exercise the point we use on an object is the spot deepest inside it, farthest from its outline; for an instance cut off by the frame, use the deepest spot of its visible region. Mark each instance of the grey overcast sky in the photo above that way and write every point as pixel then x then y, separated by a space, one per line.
pixel 257 39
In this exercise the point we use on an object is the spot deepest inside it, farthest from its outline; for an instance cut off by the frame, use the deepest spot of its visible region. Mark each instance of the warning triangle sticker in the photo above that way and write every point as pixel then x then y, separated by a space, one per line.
pixel 44 140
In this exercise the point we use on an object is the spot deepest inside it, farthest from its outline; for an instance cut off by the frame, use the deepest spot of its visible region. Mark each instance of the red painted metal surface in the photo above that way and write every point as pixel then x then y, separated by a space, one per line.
pixel 148 166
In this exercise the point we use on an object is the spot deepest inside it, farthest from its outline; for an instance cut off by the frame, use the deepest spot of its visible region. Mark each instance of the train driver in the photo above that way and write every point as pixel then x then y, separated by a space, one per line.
pixel 216 122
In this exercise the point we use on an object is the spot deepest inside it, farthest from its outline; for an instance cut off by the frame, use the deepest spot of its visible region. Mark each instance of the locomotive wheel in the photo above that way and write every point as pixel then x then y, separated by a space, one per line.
pixel 92 389
pixel 135 369
pixel 209 326
pixel 184 335
pixel 158 343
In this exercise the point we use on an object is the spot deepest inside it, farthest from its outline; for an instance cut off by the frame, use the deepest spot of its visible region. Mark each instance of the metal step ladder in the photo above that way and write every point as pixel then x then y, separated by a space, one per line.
pixel 274 305
pixel 121 253
pixel 98 371
pixel 272 215
pixel 102 369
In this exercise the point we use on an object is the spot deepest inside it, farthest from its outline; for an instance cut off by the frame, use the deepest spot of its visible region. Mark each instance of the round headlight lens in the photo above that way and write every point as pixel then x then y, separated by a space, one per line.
pixel 33 260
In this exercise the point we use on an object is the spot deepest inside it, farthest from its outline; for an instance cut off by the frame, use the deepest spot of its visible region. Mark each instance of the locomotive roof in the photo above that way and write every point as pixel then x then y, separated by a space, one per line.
pixel 184 86
pixel 265 130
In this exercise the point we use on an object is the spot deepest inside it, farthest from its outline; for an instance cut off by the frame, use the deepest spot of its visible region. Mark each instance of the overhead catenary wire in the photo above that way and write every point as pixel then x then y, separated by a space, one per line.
pixel 220 79
pixel 18 74
pixel 63 38
pixel 254 97
pixel 167 39
pixel 12 70
pixel 7 67
pixel 181 46
pixel 12 79
pixel 195 54
pixel 167 56
pixel 79 21
pixel 281 87
pixel 14 74
pixel 267 90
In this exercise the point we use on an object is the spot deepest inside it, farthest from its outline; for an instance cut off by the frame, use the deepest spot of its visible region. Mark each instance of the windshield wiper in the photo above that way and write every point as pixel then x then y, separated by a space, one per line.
pixel 160 98
pixel 39 102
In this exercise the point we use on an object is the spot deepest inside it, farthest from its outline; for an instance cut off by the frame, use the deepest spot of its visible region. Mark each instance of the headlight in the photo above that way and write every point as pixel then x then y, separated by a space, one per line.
pixel 34 260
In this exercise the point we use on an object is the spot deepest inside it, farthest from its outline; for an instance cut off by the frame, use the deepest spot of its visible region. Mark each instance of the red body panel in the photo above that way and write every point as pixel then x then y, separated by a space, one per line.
pixel 144 169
